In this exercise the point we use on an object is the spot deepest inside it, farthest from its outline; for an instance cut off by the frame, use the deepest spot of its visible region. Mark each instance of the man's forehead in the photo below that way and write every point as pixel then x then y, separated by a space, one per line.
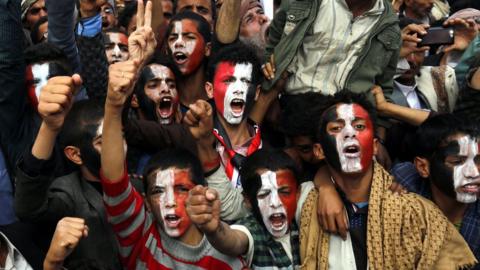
pixel 159 71
pixel 185 25
pixel 344 111
pixel 248 5
pixel 203 3
pixel 234 69
pixel 171 176
pixel 112 37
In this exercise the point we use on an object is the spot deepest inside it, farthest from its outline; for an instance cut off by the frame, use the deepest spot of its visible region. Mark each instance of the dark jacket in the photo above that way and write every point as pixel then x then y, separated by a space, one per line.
pixel 44 200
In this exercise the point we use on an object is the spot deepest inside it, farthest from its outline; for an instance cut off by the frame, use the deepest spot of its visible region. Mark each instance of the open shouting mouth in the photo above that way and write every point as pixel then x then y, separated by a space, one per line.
pixel 278 221
pixel 351 150
pixel 165 107
pixel 180 58
pixel 172 221
pixel 237 106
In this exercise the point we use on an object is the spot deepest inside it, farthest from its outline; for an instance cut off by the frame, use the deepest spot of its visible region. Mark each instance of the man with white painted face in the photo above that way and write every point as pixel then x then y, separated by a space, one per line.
pixel 188 38
pixel 161 236
pixel 156 97
pixel 116 45
pixel 446 171
pixel 267 238
pixel 234 84
pixel 386 231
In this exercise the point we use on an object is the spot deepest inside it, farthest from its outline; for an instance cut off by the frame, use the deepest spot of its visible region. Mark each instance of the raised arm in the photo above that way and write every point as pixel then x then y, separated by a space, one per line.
pixel 203 208
pixel 228 21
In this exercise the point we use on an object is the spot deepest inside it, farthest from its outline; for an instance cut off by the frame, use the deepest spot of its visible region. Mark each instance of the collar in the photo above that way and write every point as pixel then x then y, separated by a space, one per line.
pixel 406 89
pixel 14 259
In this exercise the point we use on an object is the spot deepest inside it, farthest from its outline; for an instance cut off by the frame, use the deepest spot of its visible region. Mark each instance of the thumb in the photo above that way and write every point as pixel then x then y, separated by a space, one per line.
pixel 211 194
pixel 77 80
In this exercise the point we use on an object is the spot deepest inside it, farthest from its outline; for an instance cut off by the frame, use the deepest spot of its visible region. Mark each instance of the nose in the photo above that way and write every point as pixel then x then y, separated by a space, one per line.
pixel 164 88
pixel 262 19
pixel 471 170
pixel 275 200
pixel 43 13
pixel 116 51
pixel 170 198
pixel 349 131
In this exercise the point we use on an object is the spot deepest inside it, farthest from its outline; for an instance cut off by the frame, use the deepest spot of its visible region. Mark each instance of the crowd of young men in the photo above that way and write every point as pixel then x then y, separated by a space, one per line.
pixel 208 134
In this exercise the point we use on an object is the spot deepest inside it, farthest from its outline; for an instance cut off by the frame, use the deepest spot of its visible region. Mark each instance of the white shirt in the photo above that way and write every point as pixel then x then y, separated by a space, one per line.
pixel 331 48
pixel 410 94
pixel 14 260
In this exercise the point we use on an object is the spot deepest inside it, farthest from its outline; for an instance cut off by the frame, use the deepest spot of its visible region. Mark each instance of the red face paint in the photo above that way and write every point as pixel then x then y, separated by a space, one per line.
pixel 169 194
pixel 277 201
pixel 231 90
pixel 349 133
pixel 187 46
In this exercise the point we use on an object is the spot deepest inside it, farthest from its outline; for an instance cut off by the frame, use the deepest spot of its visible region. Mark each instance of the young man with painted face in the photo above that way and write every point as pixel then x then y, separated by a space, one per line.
pixel 386 231
pixel 116 45
pixel 163 237
pixel 269 237
pixel 446 171
pixel 188 38
pixel 234 84
pixel 156 96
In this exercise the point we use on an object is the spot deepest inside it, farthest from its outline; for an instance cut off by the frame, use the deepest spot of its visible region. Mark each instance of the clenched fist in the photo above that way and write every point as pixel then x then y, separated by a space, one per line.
pixel 203 208
pixel 122 77
pixel 200 120
pixel 56 100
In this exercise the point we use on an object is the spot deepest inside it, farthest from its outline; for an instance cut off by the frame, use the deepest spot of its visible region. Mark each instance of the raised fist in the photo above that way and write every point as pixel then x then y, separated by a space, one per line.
pixel 122 77
pixel 56 100
pixel 200 119
pixel 203 208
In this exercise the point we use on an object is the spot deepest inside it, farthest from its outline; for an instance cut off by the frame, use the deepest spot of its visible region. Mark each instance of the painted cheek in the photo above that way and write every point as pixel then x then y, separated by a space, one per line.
pixel 196 54
pixel 365 137
pixel 288 201
pixel 32 97
pixel 219 87
pixel 182 213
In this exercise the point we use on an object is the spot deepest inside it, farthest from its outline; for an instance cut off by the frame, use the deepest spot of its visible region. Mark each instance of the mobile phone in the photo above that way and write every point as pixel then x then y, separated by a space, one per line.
pixel 438 36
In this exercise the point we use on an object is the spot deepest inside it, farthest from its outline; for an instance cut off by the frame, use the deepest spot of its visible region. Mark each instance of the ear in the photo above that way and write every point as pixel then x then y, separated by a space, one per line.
pixel 209 89
pixel 73 154
pixel 147 203
pixel 247 201
pixel 375 146
pixel 134 102
pixel 208 49
pixel 423 166
pixel 318 151
pixel 257 92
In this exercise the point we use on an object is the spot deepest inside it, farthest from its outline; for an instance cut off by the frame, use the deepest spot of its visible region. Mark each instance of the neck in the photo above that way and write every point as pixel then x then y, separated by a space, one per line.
pixel 237 134
pixel 355 186
pixel 192 236
pixel 88 175
pixel 192 87
pixel 408 82
pixel 450 207
pixel 358 7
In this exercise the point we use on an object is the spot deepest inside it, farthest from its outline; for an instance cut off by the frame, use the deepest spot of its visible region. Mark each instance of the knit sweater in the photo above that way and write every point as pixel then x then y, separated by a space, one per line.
pixel 143 244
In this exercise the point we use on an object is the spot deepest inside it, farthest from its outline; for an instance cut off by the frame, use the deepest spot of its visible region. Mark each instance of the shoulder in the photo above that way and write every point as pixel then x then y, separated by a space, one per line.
pixel 67 182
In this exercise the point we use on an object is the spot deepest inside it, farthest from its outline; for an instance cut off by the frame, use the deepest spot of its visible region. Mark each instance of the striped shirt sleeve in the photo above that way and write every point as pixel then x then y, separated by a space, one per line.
pixel 126 213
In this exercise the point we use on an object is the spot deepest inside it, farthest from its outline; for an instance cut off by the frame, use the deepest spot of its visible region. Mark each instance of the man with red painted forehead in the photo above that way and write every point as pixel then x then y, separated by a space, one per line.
pixel 267 238
pixel 234 85
pixel 386 231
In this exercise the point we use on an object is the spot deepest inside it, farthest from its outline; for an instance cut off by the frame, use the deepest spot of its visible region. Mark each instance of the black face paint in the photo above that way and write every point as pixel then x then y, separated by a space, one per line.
pixel 329 142
pixel 90 156
pixel 146 104
pixel 250 101
pixel 440 174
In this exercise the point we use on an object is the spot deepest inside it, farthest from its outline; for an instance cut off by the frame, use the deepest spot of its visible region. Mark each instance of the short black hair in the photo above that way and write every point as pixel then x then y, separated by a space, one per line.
pixel 36 28
pixel 203 27
pixel 301 112
pixel 435 131
pixel 46 52
pixel 127 14
pixel 212 8
pixel 270 159
pixel 115 30
pixel 81 123
pixel 175 157
pixel 237 53
pixel 346 97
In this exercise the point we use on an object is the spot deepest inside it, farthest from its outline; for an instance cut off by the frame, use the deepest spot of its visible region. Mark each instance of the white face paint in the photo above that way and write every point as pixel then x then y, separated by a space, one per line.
pixel 40 74
pixel 271 207
pixel 116 51
pixel 347 141
pixel 99 133
pixel 466 177
pixel 170 221
pixel 237 93
pixel 182 44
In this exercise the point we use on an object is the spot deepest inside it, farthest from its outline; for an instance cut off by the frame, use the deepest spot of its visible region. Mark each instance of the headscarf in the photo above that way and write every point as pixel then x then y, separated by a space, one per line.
pixel 26 4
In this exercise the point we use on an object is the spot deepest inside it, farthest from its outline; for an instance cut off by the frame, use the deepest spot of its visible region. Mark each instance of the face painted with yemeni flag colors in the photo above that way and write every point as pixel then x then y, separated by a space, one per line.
pixel 116 47
pixel 455 169
pixel 233 91
pixel 37 76
pixel 187 46
pixel 160 88
pixel 169 192
pixel 349 138
pixel 277 201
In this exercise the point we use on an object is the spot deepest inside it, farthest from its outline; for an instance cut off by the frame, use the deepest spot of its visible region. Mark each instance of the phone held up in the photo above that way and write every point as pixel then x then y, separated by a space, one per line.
pixel 438 36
